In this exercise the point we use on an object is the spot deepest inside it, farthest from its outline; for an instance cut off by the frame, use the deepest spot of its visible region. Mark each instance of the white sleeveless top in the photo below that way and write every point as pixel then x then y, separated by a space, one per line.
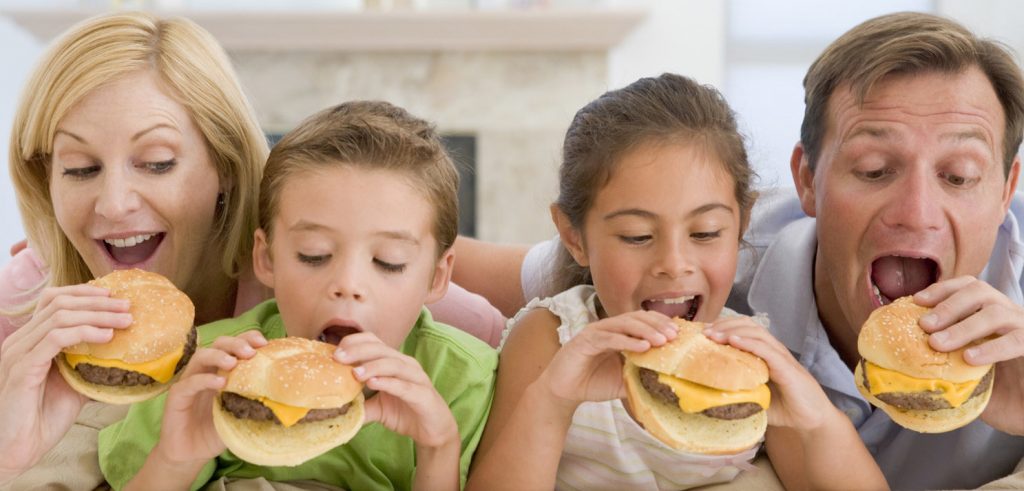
pixel 605 447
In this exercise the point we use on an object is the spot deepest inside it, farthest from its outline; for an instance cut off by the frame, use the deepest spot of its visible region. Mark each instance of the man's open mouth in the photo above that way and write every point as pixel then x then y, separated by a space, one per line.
pixel 133 250
pixel 684 307
pixel 892 277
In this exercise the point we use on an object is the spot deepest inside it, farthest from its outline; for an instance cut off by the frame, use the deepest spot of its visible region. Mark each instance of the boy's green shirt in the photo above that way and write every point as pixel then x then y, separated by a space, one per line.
pixel 461 367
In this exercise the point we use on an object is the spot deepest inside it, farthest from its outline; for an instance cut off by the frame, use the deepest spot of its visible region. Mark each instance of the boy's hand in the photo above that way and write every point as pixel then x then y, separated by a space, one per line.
pixel 187 434
pixel 797 399
pixel 406 401
pixel 589 366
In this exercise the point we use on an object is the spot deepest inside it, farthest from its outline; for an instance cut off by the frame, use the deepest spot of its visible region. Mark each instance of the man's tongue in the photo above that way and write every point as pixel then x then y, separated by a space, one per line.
pixel 670 309
pixel 896 277
pixel 136 253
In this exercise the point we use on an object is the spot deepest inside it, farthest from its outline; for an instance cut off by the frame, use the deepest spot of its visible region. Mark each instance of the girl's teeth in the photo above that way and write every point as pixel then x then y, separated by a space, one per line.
pixel 130 241
pixel 677 300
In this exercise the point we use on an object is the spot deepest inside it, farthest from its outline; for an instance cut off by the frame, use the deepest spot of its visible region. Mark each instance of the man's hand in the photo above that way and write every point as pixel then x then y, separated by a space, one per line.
pixel 969 312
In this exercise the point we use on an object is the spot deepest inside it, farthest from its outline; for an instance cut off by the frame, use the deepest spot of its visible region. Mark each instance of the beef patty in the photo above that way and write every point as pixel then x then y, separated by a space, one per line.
pixel 649 379
pixel 244 408
pixel 119 376
pixel 926 400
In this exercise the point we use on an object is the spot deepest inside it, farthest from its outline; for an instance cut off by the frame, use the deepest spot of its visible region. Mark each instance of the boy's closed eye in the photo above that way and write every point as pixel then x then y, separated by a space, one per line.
pixel 313 260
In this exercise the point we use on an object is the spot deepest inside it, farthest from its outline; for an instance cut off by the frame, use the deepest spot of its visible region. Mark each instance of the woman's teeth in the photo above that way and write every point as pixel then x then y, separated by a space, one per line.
pixel 129 241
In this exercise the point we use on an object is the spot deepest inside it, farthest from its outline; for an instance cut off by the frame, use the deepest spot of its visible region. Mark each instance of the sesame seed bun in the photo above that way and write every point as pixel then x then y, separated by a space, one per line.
pixel 693 357
pixel 892 339
pixel 162 319
pixel 297 372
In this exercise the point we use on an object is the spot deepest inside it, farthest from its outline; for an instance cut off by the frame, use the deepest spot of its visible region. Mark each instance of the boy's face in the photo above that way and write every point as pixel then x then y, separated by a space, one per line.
pixel 353 250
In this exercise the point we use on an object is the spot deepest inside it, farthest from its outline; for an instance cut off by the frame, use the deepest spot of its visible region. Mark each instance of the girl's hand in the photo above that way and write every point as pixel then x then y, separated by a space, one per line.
pixel 187 433
pixel 797 399
pixel 37 407
pixel 589 366
pixel 406 401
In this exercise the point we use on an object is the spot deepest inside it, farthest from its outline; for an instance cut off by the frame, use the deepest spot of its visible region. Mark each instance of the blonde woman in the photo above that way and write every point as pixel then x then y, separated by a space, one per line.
pixel 133 146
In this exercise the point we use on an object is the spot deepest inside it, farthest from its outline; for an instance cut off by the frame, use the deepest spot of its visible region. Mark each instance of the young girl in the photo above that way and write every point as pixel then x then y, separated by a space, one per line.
pixel 654 197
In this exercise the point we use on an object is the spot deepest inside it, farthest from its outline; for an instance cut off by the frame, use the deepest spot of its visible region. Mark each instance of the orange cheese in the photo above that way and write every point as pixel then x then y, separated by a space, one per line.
pixel 287 415
pixel 882 380
pixel 160 369
pixel 694 398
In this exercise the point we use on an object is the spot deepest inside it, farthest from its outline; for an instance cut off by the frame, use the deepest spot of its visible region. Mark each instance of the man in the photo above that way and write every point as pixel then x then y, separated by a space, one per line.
pixel 905 175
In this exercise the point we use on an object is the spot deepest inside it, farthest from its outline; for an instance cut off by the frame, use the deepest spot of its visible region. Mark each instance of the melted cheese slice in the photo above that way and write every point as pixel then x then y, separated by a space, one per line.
pixel 694 398
pixel 287 415
pixel 160 369
pixel 882 380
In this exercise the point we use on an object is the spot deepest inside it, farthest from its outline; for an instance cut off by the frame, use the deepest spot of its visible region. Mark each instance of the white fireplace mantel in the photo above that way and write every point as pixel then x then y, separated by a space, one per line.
pixel 397 30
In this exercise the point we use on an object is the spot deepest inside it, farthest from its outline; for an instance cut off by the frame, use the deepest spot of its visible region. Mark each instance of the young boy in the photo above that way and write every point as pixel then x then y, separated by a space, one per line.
pixel 358 212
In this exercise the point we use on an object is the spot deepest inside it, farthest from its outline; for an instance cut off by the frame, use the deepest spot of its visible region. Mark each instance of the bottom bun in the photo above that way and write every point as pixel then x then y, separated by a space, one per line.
pixel 924 421
pixel 690 432
pixel 271 444
pixel 110 394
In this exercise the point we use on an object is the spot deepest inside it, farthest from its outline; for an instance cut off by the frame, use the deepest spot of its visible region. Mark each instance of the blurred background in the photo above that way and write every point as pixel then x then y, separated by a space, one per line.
pixel 501 78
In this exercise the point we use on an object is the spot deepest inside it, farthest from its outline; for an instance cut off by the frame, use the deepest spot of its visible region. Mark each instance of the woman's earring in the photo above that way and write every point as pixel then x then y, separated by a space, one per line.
pixel 220 201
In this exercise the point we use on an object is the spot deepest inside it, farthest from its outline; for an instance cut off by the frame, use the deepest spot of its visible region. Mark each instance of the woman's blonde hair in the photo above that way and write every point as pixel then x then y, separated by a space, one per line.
pixel 200 77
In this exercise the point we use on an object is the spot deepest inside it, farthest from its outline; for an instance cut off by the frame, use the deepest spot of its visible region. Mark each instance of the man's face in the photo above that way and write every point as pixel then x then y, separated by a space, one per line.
pixel 909 190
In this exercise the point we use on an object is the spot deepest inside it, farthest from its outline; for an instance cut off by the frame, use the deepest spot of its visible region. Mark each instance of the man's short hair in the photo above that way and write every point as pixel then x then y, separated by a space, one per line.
pixel 908 43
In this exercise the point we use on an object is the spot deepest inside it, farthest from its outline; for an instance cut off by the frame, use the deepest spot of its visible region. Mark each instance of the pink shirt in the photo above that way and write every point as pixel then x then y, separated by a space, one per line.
pixel 22 276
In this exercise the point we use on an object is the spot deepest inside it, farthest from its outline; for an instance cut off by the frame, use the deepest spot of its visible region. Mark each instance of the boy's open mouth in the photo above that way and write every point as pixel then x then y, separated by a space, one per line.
pixel 892 277
pixel 333 334
pixel 684 307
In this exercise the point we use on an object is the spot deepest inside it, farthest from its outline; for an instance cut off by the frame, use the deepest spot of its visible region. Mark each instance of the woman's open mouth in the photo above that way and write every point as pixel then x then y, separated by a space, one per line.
pixel 133 250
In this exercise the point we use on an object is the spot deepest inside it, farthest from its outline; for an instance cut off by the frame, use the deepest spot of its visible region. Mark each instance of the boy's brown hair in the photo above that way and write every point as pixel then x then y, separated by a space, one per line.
pixel 370 135
pixel 908 43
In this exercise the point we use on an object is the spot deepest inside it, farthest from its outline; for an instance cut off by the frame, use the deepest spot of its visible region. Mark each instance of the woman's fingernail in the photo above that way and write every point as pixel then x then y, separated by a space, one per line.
pixel 359 371
pixel 972 353
pixel 339 355
pixel 940 337
pixel 929 320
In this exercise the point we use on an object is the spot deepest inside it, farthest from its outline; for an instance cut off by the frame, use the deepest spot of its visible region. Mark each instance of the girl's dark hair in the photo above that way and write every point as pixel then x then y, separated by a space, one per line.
pixel 665 109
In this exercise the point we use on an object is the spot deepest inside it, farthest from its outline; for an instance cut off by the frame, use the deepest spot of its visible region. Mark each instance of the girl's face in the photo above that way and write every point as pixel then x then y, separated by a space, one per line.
pixel 663 234
pixel 132 182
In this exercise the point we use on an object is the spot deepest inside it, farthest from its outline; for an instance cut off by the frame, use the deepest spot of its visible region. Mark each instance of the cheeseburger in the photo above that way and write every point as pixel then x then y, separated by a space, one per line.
pixel 289 403
pixel 141 361
pixel 919 388
pixel 697 395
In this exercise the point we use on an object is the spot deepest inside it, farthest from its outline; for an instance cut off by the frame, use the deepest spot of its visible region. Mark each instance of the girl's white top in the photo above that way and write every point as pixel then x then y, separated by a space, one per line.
pixel 605 447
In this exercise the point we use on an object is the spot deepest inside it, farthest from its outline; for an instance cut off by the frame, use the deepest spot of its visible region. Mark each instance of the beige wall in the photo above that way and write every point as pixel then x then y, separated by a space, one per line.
pixel 516 104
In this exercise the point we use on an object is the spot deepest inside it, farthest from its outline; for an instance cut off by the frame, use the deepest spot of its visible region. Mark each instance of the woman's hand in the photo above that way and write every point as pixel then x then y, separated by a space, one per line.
pixel 589 366
pixel 187 434
pixel 37 407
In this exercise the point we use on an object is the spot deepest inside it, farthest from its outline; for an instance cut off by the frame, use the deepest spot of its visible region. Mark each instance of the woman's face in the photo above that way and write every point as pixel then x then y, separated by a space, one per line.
pixel 132 182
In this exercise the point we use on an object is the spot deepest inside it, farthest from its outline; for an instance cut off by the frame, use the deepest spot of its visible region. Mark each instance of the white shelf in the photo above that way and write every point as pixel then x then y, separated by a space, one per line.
pixel 407 30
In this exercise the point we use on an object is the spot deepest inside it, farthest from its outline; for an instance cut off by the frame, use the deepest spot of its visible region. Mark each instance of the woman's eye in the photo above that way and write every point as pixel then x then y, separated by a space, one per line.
pixel 160 167
pixel 81 172
pixel 635 239
pixel 389 267
pixel 313 260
